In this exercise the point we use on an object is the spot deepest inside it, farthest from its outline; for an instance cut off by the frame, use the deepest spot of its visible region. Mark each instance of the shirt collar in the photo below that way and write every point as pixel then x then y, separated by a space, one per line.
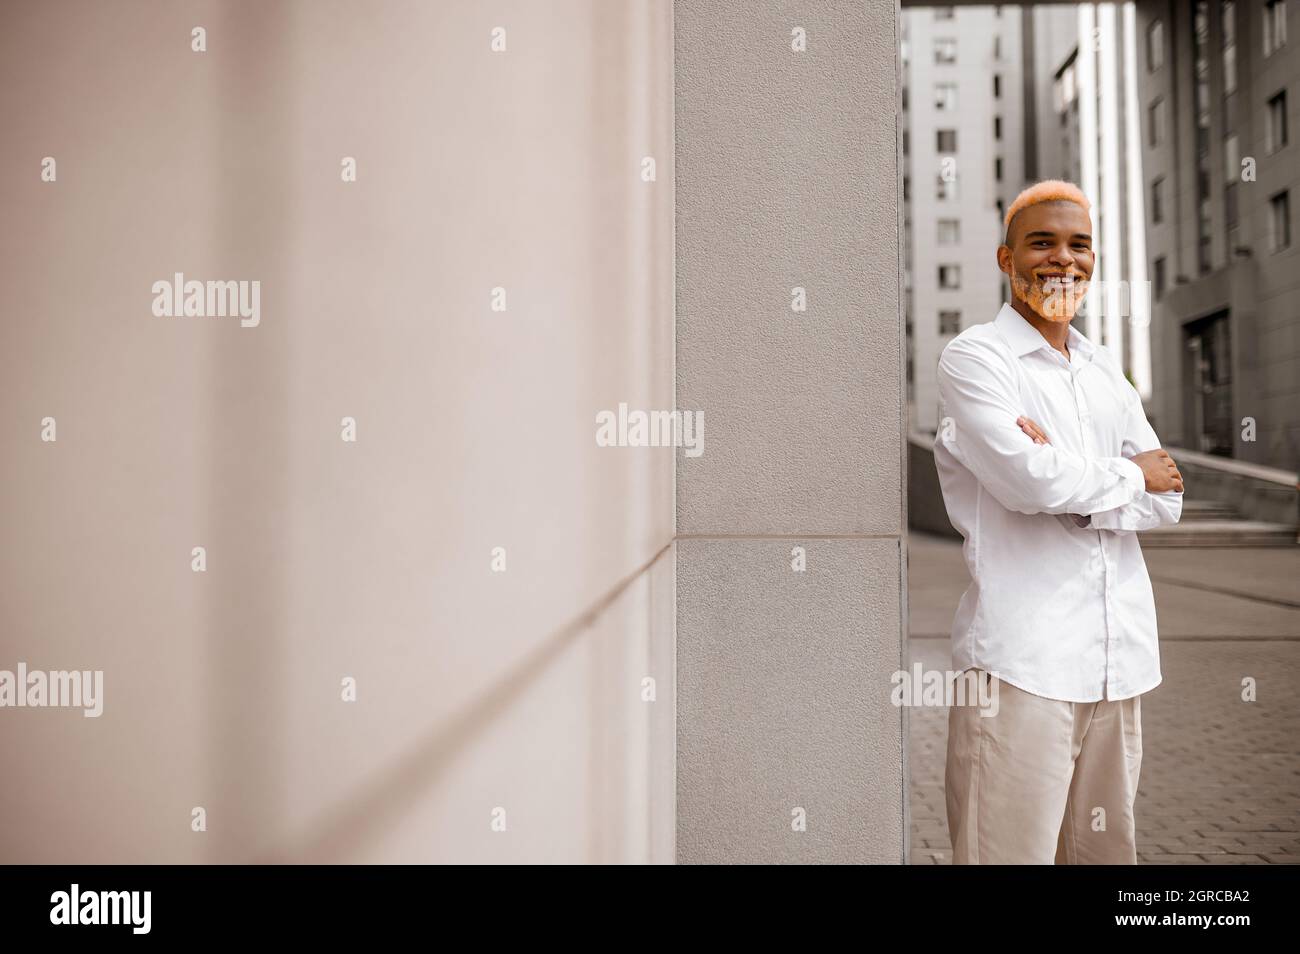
pixel 1025 338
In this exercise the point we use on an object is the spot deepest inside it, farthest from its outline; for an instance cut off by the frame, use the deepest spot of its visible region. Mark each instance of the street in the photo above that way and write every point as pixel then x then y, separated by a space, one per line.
pixel 1220 779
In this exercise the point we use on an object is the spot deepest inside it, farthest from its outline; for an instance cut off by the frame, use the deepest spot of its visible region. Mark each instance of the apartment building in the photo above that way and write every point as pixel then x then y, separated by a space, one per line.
pixel 1218 84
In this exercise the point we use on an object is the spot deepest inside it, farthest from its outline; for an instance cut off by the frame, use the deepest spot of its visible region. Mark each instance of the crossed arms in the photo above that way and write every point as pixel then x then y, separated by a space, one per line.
pixel 982 431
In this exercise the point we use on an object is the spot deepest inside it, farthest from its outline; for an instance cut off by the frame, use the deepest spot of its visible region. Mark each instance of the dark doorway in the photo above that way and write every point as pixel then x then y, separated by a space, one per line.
pixel 1209 380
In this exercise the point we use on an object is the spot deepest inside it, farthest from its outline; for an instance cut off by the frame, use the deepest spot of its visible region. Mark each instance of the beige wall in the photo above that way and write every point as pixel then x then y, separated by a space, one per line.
pixel 788 176
pixel 329 559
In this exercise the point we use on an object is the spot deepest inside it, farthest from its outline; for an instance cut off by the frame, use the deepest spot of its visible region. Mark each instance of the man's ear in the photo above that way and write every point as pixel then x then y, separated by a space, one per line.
pixel 1004 259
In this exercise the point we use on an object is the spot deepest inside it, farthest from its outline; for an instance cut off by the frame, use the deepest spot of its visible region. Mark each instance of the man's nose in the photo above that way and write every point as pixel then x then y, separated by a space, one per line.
pixel 1061 255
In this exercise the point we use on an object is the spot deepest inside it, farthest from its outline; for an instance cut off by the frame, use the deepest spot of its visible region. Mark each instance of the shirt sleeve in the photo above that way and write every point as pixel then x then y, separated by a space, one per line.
pixel 979 403
pixel 1149 510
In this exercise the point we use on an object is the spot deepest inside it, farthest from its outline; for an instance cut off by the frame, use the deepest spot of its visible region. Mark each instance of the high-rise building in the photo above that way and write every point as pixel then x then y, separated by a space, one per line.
pixel 1218 84
pixel 1090 133
pixel 963 104
pixel 976 80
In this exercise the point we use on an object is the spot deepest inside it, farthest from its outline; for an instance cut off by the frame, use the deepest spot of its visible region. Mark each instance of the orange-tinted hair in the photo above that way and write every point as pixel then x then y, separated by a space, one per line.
pixel 1049 190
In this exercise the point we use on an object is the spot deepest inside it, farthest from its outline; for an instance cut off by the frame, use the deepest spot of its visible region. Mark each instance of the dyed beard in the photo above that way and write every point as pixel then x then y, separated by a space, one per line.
pixel 1050 300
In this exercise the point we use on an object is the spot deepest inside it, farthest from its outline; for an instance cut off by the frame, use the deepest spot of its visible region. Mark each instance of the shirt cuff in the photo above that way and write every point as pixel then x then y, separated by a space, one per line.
pixel 1132 473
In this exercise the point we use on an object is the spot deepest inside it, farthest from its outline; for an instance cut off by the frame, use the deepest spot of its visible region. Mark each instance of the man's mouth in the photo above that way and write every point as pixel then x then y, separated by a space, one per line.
pixel 1063 279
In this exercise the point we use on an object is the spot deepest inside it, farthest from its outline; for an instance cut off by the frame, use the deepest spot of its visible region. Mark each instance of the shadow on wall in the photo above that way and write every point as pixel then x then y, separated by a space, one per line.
pixel 383 801
pixel 498 711
pixel 490 740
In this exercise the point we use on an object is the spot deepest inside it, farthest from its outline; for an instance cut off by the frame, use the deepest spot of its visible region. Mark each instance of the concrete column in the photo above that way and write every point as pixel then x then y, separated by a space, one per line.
pixel 788 177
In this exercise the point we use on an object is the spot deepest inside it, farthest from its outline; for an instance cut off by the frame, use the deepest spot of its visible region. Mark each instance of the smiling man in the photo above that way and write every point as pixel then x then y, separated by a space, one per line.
pixel 1049 468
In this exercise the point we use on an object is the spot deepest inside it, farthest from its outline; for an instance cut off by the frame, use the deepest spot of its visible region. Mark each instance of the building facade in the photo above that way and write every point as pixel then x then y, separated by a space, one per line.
pixel 1218 86
pixel 978 92
pixel 963 154
pixel 1091 135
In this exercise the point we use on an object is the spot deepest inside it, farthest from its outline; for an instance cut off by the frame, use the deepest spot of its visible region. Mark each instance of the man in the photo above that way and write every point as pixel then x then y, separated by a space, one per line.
pixel 1049 468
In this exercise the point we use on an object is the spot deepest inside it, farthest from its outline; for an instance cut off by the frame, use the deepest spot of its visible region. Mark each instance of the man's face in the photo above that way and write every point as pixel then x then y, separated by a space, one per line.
pixel 1050 258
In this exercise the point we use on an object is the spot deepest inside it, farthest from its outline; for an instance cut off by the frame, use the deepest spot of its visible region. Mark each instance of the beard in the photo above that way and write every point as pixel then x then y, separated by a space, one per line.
pixel 1051 299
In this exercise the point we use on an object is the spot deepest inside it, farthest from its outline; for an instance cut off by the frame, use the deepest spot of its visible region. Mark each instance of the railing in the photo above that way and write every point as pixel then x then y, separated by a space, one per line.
pixel 1253 491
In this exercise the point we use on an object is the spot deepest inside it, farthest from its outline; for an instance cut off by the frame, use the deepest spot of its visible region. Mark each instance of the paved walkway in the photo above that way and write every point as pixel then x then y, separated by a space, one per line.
pixel 1220 777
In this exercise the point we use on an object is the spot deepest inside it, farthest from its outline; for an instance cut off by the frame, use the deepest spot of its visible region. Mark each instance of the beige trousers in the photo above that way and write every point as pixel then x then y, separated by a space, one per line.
pixel 1043 780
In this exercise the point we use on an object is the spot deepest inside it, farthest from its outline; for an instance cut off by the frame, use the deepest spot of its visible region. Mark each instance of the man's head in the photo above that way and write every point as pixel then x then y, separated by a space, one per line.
pixel 1047 250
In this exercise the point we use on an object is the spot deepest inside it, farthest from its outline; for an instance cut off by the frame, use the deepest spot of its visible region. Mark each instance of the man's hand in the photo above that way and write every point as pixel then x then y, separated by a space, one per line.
pixel 1160 471
pixel 1033 430
pixel 1158 467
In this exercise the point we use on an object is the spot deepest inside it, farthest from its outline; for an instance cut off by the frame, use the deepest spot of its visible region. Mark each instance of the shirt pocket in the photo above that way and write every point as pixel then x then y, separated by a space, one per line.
pixel 1108 412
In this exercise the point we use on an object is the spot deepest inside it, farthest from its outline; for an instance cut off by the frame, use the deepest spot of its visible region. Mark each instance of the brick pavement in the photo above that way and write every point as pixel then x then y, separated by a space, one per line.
pixel 1220 780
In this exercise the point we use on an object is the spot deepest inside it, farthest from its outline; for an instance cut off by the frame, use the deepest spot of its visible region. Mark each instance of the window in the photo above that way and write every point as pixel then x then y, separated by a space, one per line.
pixel 1280 206
pixel 1002 210
pixel 907 188
pixel 943 13
pixel 946 140
pixel 1277 122
pixel 1158 278
pixel 1231 175
pixel 1158 201
pixel 997 85
pixel 950 277
pixel 997 169
pixel 1200 64
pixel 997 127
pixel 1156 122
pixel 1066 90
pixel 945 97
pixel 949 231
pixel 1274 25
pixel 949 322
pixel 906 140
pixel 946 188
pixel 904 92
pixel 945 51
pixel 1155 46
pixel 997 47
pixel 1228 10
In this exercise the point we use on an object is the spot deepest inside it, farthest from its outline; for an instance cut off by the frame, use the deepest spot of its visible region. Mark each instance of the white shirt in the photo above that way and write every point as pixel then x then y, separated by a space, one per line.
pixel 1056 608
